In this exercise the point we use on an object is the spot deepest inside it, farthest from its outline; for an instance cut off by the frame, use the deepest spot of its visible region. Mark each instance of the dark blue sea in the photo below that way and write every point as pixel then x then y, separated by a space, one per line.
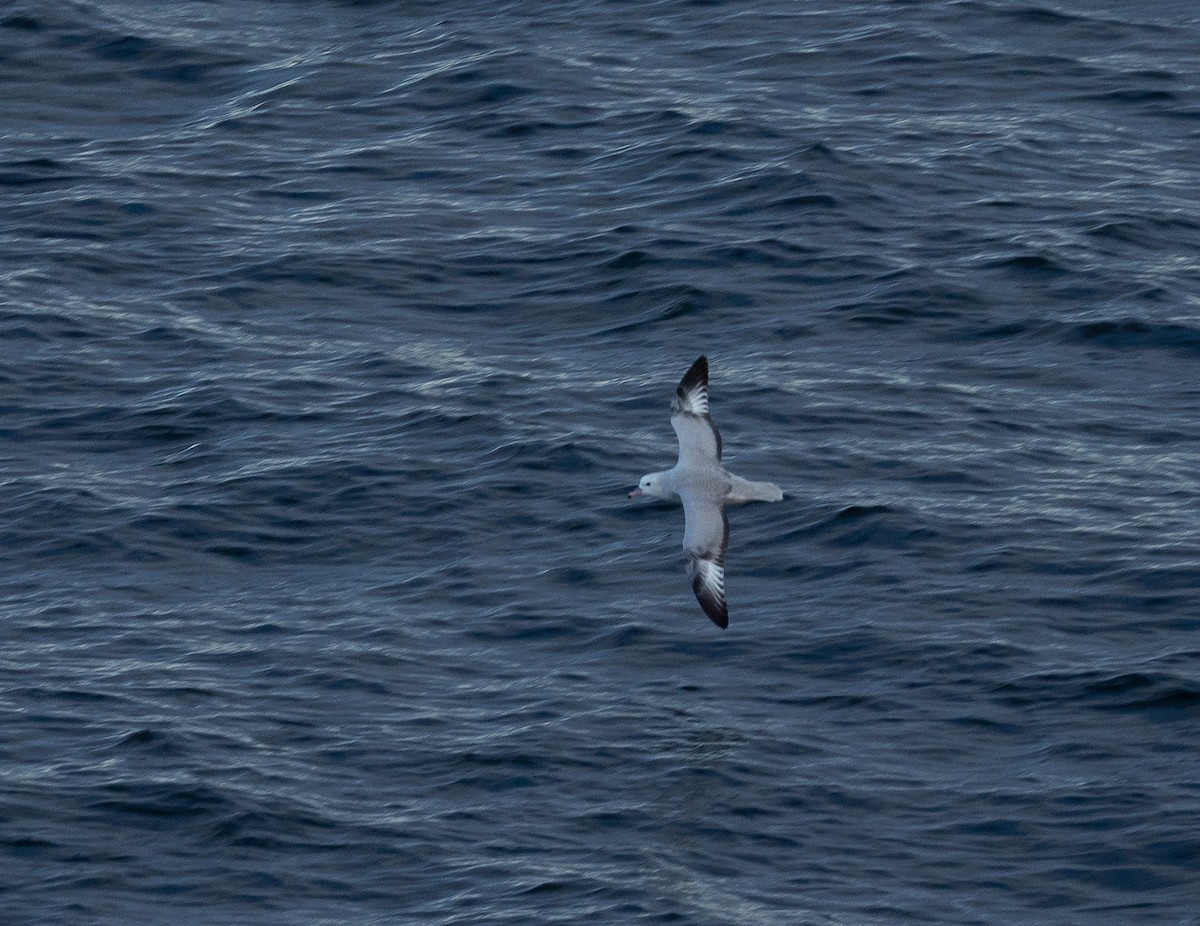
pixel 333 336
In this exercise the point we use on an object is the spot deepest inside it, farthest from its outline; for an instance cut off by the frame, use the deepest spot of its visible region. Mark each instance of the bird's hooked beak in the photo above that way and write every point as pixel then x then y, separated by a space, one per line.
pixel 636 493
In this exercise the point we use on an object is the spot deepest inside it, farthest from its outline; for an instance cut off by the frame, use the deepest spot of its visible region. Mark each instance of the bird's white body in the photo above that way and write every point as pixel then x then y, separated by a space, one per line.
pixel 670 483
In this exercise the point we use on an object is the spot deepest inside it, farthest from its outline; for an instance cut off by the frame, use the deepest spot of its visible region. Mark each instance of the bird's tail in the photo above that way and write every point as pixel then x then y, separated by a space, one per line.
pixel 743 490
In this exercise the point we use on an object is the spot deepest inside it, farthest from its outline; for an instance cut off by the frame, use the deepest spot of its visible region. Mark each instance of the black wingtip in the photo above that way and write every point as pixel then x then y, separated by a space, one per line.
pixel 713 606
pixel 697 375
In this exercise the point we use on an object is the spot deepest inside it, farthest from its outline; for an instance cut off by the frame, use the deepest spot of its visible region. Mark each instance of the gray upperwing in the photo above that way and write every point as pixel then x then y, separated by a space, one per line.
pixel 699 440
pixel 705 540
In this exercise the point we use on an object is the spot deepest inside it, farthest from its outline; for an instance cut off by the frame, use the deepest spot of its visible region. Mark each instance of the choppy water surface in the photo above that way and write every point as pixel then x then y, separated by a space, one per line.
pixel 334 334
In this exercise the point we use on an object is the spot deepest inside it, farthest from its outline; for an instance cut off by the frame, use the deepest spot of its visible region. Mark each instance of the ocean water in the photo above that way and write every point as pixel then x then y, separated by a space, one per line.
pixel 333 335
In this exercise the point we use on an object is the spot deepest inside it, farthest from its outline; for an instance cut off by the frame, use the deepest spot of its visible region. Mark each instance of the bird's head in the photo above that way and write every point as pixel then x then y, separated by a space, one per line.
pixel 653 485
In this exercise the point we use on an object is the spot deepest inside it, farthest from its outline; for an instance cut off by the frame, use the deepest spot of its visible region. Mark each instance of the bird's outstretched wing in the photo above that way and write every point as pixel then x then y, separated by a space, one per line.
pixel 699 439
pixel 705 539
